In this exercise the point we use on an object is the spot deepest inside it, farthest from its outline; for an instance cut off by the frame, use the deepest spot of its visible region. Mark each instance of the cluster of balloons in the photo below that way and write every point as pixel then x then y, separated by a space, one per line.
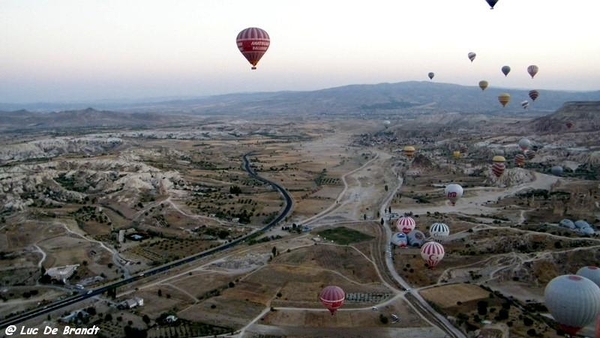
pixel 574 300
pixel 432 251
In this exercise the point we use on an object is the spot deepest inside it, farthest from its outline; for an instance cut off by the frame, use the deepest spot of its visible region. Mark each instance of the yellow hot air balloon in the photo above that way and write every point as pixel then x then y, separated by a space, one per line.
pixel 504 99
pixel 456 154
pixel 483 84
pixel 409 151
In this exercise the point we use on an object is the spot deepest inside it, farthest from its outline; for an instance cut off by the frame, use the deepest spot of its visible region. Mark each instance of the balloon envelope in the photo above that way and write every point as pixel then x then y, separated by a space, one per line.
pixel 415 238
pixel 431 75
pixel 456 154
pixel 253 43
pixel 504 99
pixel 332 297
pixel 505 70
pixel 533 94
pixel 399 239
pixel 532 70
pixel 590 272
pixel 471 56
pixel 520 160
pixel 432 253
pixel 492 3
pixel 556 170
pixel 406 224
pixel 439 230
pixel 409 151
pixel 524 144
pixel 530 154
pixel 573 301
pixel 483 84
pixel 453 192
pixel 525 104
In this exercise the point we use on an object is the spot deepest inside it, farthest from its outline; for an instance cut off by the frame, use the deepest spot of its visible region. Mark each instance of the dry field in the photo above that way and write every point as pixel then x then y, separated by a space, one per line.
pixel 448 295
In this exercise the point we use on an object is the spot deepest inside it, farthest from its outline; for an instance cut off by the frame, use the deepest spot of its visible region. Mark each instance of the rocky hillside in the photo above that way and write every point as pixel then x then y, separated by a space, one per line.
pixel 572 116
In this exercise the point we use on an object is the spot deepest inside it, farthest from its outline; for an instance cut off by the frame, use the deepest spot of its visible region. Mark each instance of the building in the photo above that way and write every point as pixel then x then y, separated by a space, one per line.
pixel 131 303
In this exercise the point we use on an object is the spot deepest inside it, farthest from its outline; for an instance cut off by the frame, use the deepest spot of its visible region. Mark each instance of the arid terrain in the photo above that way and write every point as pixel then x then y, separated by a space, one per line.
pixel 107 205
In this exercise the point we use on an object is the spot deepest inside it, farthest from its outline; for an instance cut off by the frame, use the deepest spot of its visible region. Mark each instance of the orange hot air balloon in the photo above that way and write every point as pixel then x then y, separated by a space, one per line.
pixel 532 70
pixel 520 160
pixel 504 99
pixel 498 165
pixel 533 94
pixel 253 43
pixel 409 151
pixel 332 298
pixel 483 84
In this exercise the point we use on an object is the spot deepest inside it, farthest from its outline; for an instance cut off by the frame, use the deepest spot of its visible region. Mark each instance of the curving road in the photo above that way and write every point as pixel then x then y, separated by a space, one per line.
pixel 164 268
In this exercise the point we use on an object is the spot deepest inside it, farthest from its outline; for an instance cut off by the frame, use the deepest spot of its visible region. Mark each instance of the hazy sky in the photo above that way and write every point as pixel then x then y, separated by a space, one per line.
pixel 58 50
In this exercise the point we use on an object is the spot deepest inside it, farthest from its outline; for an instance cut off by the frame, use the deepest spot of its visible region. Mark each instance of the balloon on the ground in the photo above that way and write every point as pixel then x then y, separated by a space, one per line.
pixel 399 239
pixel 519 160
pixel 567 223
pixel 406 224
pixel 439 231
pixel 332 298
pixel 415 238
pixel 573 301
pixel 432 253
pixel 253 43
pixel 524 144
pixel 453 192
pixel 409 151
pixel 556 170
pixel 498 165
pixel 505 70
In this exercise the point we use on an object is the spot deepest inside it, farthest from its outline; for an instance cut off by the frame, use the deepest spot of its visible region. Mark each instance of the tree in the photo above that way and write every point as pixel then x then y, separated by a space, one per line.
pixel 159 292
pixel 274 251
pixel 146 319
pixel 383 319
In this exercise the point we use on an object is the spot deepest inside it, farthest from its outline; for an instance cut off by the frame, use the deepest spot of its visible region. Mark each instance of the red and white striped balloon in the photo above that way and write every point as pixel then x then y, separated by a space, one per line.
pixel 332 297
pixel 406 224
pixel 432 253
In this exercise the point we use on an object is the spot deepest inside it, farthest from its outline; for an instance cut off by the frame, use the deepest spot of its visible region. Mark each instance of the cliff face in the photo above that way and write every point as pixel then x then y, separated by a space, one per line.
pixel 572 116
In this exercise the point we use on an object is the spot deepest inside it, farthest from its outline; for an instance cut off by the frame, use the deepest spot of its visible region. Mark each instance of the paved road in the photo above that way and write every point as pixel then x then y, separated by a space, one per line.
pixel 411 295
pixel 164 268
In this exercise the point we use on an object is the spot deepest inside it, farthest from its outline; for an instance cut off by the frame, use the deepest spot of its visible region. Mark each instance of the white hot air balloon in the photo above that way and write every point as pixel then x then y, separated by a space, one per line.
pixel 524 144
pixel 399 239
pixel 573 301
pixel 453 192
pixel 590 272
pixel 438 231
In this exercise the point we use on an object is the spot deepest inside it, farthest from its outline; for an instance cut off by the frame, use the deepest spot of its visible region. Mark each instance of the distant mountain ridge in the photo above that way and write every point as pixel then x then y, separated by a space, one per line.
pixel 403 97
pixel 572 116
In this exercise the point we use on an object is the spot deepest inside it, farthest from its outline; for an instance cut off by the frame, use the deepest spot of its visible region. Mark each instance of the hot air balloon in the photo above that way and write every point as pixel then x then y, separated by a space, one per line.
pixel 471 56
pixel 504 99
pixel 406 224
pixel 530 154
pixel 456 154
pixel 533 94
pixel 524 144
pixel 432 253
pixel 453 192
pixel 438 231
pixel 505 70
pixel 253 43
pixel 590 272
pixel 525 104
pixel 415 238
pixel 556 170
pixel 332 297
pixel 598 327
pixel 431 75
pixel 387 123
pixel 483 84
pixel 498 165
pixel 492 3
pixel 573 301
pixel 409 151
pixel 399 239
pixel 532 70
pixel 569 124
pixel 520 160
